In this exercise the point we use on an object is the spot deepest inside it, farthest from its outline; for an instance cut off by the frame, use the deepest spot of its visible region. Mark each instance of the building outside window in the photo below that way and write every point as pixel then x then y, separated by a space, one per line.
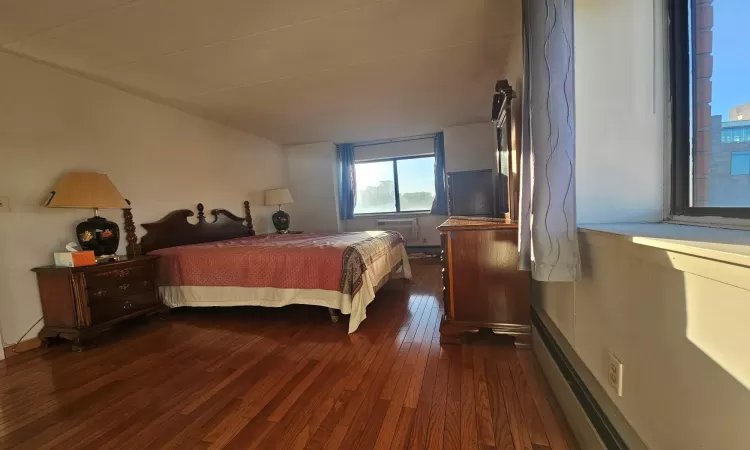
pixel 711 70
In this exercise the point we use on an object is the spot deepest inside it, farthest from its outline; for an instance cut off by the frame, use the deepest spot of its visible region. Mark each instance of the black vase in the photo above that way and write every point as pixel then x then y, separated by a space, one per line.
pixel 98 234
pixel 281 221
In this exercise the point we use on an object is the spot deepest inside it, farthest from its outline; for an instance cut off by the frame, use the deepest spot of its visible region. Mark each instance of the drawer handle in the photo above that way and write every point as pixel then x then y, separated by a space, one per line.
pixel 100 293
pixel 119 273
pixel 124 287
pixel 146 283
pixel 127 305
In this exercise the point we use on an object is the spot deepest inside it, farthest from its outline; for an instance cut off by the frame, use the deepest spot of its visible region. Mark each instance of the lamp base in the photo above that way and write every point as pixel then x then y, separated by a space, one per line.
pixel 281 221
pixel 98 234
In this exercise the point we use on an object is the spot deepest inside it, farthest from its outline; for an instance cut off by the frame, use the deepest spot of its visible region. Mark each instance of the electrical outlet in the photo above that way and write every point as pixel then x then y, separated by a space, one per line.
pixel 614 373
pixel 4 205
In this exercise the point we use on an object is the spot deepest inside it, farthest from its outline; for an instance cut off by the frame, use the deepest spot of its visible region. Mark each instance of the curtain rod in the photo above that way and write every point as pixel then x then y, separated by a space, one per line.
pixel 389 141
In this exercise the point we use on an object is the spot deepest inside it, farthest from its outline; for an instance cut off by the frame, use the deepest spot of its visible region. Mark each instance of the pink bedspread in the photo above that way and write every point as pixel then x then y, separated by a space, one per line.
pixel 334 262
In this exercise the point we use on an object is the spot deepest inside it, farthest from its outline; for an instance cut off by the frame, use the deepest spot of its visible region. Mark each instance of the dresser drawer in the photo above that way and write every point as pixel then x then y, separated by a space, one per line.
pixel 106 309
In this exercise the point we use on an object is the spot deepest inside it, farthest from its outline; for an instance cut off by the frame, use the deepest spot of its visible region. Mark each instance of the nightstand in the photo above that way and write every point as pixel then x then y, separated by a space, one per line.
pixel 78 303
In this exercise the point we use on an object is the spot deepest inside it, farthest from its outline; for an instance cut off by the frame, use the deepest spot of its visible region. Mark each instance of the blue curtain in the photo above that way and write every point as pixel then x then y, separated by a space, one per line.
pixel 440 204
pixel 347 181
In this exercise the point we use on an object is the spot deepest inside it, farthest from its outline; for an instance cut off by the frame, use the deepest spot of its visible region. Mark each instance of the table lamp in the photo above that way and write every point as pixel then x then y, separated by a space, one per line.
pixel 85 190
pixel 280 218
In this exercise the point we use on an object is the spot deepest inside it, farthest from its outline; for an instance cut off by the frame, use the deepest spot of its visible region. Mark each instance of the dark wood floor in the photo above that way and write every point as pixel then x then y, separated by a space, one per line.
pixel 283 379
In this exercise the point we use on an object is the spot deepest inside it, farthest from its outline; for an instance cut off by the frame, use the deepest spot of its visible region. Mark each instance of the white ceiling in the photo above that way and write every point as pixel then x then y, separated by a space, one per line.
pixel 293 71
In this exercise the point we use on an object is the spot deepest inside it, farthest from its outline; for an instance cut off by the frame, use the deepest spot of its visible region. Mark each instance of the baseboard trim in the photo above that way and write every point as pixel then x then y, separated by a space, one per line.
pixel 604 428
pixel 21 347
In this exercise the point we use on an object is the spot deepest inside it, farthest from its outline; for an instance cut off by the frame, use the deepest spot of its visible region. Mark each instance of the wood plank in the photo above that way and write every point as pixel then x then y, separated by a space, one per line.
pixel 469 436
pixel 485 429
pixel 436 424
pixel 398 397
pixel 500 425
pixel 423 407
pixel 104 389
pixel 258 378
pixel 298 419
pixel 555 425
pixel 285 431
pixel 520 433
pixel 452 433
pixel 45 401
pixel 533 421
pixel 404 428
pixel 221 404
pixel 364 401
pixel 332 400
pixel 221 416
pixel 415 338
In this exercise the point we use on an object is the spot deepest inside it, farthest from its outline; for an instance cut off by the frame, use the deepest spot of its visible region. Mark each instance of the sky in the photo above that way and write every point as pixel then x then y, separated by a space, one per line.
pixel 731 78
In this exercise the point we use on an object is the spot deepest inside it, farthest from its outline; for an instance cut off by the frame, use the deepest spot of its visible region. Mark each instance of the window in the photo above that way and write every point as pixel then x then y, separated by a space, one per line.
pixel 395 185
pixel 711 108
pixel 376 187
pixel 740 163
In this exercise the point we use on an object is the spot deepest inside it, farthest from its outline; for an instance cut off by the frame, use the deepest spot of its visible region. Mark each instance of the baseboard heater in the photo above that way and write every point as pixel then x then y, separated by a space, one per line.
pixel 607 432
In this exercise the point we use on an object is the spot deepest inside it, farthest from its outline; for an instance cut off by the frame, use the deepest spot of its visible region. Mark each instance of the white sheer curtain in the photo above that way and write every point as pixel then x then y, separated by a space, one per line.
pixel 548 240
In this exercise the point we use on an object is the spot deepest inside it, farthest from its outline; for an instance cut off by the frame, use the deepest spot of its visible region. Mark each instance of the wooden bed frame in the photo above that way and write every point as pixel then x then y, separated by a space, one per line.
pixel 174 230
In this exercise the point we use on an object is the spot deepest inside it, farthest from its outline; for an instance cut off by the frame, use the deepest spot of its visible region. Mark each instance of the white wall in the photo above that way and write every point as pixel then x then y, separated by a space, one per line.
pixel 159 158
pixel 395 149
pixel 470 147
pixel 621 100
pixel 313 185
pixel 678 324
pixel 427 223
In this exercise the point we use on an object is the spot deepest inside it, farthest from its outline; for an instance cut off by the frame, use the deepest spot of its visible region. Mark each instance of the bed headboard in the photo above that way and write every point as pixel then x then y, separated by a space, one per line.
pixel 174 229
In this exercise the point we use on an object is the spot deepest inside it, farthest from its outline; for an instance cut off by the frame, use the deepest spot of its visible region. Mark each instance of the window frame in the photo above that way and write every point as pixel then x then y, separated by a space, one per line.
pixel 681 70
pixel 739 153
pixel 394 160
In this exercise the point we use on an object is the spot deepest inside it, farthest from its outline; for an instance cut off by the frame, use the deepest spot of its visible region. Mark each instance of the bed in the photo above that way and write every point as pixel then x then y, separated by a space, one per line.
pixel 224 263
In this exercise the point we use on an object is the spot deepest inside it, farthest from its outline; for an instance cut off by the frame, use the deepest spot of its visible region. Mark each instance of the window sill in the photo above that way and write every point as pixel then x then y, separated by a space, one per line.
pixel 718 244
pixel 392 214
pixel 712 221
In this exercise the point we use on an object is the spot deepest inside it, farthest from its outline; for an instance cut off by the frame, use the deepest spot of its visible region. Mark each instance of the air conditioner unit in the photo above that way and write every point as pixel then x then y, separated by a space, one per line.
pixel 409 228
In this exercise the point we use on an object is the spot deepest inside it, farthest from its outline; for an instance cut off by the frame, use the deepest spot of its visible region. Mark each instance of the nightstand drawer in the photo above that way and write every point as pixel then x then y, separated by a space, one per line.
pixel 121 288
pixel 120 282
pixel 103 310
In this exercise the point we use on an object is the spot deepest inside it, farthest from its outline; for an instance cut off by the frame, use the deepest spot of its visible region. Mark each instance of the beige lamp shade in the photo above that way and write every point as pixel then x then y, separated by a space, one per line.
pixel 278 197
pixel 86 190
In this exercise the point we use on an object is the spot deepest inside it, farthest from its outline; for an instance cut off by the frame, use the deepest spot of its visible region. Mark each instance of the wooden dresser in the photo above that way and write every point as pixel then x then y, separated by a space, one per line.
pixel 80 302
pixel 482 287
